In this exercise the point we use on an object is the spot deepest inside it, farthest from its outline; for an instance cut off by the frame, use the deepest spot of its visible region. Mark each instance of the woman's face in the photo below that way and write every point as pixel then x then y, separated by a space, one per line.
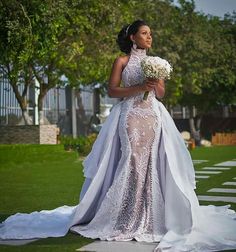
pixel 143 38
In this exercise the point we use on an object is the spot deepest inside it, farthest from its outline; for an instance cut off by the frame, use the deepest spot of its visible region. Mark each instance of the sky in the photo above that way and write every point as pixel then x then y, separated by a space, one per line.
pixel 215 7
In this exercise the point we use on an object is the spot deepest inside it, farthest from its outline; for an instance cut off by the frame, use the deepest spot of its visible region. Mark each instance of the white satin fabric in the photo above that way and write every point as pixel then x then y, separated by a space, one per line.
pixel 174 204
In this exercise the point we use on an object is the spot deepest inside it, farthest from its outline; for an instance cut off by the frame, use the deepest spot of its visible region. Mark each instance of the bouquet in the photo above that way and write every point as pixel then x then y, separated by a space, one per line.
pixel 155 68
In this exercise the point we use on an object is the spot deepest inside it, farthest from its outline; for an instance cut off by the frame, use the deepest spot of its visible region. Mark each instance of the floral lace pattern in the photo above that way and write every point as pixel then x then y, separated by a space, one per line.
pixel 133 207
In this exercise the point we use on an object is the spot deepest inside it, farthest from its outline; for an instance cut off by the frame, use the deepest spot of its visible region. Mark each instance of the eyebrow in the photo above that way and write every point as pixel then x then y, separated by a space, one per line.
pixel 145 31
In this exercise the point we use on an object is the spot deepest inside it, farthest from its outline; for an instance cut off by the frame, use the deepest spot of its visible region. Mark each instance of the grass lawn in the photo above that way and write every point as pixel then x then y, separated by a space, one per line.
pixel 216 154
pixel 36 177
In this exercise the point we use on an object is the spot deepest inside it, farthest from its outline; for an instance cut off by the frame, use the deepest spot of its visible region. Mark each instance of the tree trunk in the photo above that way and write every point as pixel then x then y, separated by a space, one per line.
pixel 195 129
pixel 198 123
pixel 96 105
pixel 81 115
pixel 22 100
pixel 42 94
pixel 21 97
pixel 27 120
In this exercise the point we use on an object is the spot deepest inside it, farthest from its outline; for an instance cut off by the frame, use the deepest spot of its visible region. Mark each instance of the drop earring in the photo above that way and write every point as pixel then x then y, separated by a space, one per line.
pixel 135 45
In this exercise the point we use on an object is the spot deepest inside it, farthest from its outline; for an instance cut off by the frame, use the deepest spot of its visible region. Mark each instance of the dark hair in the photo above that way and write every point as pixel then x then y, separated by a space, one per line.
pixel 123 39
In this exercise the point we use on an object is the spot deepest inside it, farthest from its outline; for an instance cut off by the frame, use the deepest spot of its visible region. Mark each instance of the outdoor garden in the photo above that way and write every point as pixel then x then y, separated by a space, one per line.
pixel 36 177
pixel 73 43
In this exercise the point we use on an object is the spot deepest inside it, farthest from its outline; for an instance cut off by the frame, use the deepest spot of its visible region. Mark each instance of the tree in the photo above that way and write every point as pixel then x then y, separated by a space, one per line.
pixel 209 66
pixel 76 40
pixel 15 49
pixel 48 40
pixel 202 51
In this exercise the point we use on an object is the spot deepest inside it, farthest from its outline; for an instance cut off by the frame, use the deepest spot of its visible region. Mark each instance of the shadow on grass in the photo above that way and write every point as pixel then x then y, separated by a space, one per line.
pixel 70 238
pixel 3 217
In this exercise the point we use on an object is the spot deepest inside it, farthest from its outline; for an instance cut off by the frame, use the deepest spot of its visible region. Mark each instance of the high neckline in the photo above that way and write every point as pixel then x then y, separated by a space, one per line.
pixel 138 52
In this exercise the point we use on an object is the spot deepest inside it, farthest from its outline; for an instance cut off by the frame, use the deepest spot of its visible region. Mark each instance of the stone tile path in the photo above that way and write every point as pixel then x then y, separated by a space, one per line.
pixel 115 246
pixel 202 177
pixel 227 163
pixel 217 168
pixel 231 191
pixel 223 190
pixel 230 183
pixel 199 161
pixel 207 172
pixel 217 198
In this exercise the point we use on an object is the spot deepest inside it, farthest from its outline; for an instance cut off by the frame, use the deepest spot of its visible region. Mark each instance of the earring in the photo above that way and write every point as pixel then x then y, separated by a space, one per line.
pixel 135 45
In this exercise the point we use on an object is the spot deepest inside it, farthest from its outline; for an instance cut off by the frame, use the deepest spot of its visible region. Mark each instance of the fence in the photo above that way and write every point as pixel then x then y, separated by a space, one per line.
pixel 57 107
pixel 224 139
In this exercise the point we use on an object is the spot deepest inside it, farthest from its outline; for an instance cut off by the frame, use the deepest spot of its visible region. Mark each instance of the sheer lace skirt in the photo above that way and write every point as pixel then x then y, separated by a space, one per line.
pixel 133 207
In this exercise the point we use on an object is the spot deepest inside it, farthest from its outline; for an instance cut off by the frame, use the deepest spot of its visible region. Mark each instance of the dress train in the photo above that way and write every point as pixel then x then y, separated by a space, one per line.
pixel 191 227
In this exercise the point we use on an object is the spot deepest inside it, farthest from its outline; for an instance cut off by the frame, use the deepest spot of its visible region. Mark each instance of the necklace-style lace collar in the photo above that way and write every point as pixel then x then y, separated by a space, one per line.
pixel 138 52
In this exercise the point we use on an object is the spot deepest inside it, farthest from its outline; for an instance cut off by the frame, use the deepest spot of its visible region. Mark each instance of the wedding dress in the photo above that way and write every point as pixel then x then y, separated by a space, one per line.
pixel 139 185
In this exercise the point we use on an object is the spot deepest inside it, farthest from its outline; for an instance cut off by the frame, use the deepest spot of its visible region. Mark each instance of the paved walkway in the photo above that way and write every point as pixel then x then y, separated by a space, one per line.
pixel 214 171
pixel 114 246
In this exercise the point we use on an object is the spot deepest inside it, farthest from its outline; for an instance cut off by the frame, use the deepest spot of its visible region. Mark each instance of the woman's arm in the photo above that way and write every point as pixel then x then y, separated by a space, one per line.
pixel 160 89
pixel 114 89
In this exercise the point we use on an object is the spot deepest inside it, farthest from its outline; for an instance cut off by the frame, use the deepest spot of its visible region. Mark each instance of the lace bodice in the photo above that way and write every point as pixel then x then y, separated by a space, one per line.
pixel 132 74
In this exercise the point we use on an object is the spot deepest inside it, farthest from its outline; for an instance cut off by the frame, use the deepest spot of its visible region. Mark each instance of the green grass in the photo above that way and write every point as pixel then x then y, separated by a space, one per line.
pixel 216 154
pixel 36 177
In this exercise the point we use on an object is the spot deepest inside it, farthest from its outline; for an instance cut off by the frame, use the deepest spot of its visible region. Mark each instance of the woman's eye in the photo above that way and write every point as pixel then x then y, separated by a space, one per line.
pixel 145 33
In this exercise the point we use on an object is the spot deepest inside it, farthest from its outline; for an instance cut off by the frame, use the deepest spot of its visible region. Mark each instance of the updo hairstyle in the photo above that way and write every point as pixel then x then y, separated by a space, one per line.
pixel 123 39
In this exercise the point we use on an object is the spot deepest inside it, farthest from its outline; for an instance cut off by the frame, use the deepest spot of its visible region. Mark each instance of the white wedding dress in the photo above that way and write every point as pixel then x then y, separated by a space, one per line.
pixel 139 185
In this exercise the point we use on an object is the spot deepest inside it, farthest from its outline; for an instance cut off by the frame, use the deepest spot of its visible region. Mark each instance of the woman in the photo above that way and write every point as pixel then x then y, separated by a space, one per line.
pixel 139 175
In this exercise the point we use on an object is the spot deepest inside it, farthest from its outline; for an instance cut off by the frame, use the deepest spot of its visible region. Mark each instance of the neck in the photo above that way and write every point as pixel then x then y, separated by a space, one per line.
pixel 138 51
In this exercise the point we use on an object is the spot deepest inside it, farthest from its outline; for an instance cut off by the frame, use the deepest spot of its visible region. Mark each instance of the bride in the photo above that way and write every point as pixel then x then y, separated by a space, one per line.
pixel 139 177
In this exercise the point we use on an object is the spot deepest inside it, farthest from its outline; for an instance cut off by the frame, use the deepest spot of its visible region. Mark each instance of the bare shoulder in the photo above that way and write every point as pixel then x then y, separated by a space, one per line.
pixel 121 61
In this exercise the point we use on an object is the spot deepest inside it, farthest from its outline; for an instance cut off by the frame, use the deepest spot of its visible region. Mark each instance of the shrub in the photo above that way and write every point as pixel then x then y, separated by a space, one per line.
pixel 81 144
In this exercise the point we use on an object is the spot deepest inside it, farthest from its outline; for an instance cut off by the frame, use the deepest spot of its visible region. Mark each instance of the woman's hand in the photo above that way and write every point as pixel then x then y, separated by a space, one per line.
pixel 149 84
pixel 153 84
pixel 160 89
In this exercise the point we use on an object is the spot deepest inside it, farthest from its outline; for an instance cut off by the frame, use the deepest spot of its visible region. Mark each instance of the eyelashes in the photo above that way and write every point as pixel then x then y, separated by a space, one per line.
pixel 145 33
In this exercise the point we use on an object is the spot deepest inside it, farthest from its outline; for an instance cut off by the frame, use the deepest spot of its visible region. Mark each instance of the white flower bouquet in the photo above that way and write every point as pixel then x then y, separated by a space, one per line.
pixel 155 68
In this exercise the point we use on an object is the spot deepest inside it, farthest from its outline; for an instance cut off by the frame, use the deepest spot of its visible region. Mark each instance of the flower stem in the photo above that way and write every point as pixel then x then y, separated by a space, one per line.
pixel 145 96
